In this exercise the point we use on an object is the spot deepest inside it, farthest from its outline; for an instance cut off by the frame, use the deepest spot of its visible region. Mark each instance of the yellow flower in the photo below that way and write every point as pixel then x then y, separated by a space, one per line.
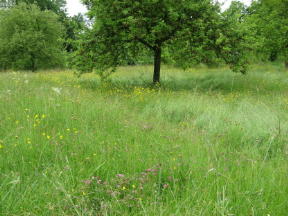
pixel 28 142
pixel 133 186
pixel 61 137
pixel 68 129
pixel 123 188
pixel 48 137
pixel 43 116
pixel 36 116
pixel 1 146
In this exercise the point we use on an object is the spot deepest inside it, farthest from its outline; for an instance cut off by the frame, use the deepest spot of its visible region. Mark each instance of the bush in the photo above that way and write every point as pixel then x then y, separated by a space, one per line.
pixel 30 39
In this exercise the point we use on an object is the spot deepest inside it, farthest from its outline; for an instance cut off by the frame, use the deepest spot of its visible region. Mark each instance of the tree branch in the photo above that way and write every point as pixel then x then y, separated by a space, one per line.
pixel 144 42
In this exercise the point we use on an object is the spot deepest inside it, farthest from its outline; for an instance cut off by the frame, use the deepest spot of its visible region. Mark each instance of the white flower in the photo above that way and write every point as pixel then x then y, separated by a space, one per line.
pixel 211 170
pixel 57 90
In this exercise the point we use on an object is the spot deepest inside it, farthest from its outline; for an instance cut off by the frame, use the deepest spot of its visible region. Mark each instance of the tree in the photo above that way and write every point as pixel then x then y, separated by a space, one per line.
pixel 74 26
pixel 269 26
pixel 6 3
pixel 189 29
pixel 30 38
pixel 56 6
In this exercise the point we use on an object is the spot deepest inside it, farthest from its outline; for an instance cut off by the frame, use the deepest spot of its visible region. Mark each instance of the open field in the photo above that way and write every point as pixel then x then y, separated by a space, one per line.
pixel 207 142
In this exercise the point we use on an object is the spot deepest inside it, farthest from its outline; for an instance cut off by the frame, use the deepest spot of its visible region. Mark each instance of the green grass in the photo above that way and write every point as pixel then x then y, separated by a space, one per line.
pixel 207 142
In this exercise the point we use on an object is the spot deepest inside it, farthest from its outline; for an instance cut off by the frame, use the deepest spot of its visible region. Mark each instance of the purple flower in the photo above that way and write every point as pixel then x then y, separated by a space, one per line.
pixel 87 182
pixel 120 175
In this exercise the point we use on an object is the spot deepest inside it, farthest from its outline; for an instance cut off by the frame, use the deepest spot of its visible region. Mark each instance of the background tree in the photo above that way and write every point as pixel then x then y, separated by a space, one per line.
pixel 190 30
pixel 56 6
pixel 6 3
pixel 268 22
pixel 30 38
pixel 72 25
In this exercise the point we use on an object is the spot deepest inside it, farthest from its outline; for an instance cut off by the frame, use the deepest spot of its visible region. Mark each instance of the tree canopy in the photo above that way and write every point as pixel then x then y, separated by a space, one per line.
pixel 191 31
pixel 268 23
pixel 30 38
pixel 56 6
pixel 179 32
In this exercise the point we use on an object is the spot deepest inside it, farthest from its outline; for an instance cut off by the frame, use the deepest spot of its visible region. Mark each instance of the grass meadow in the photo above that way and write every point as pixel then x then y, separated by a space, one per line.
pixel 206 142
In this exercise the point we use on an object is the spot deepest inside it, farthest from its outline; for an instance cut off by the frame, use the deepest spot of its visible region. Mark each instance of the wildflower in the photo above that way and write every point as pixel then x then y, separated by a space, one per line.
pixel 120 175
pixel 48 137
pixel 61 137
pixel 152 170
pixel 75 130
pixel 28 142
pixel 124 188
pixel 1 146
pixel 43 116
pixel 211 170
pixel 133 186
pixel 87 182
pixel 57 90
pixel 165 186
pixel 68 129
pixel 36 116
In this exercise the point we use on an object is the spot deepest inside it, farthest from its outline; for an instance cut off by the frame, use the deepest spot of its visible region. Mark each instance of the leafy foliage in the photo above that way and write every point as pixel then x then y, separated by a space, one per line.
pixel 190 31
pixel 54 5
pixel 30 38
pixel 268 22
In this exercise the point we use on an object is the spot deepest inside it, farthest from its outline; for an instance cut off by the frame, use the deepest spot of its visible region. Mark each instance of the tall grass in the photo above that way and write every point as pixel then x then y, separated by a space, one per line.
pixel 205 142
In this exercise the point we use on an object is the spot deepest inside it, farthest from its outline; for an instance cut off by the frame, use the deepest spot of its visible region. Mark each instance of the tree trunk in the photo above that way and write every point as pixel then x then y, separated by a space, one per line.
pixel 33 63
pixel 157 65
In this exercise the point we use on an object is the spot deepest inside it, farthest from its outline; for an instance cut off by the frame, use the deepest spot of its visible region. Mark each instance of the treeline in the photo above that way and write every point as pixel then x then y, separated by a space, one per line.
pixel 39 34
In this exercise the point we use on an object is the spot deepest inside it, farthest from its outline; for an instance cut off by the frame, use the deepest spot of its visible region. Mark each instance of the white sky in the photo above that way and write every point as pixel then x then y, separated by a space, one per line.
pixel 74 6
pixel 226 3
